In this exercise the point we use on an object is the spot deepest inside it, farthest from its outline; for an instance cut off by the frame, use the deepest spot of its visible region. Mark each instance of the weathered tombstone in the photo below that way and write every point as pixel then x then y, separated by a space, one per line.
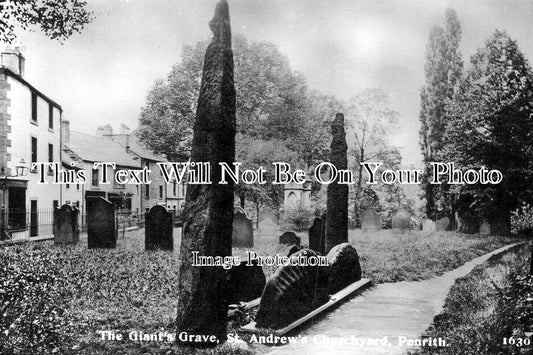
pixel 344 268
pixel 267 221
pixel 66 229
pixel 159 225
pixel 484 228
pixel 292 292
pixel 101 223
pixel 245 282
pixel 289 238
pixel 317 235
pixel 401 221
pixel 429 226
pixel 208 213
pixel 442 224
pixel 243 231
pixel 337 199
pixel 370 220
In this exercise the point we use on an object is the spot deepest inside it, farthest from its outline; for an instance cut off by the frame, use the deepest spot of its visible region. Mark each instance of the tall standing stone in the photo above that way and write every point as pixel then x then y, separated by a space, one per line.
pixel 337 201
pixel 208 213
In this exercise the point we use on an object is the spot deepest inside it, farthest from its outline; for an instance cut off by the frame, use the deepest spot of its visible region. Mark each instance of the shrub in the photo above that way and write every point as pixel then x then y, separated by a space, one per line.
pixel 522 219
pixel 300 217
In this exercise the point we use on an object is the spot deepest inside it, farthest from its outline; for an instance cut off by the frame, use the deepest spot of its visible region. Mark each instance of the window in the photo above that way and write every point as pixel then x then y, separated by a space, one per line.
pixel 78 187
pixel 34 152
pixel 95 177
pixel 50 116
pixel 50 157
pixel 174 187
pixel 33 106
pixel 147 191
pixel 67 186
pixel 160 192
pixel 55 204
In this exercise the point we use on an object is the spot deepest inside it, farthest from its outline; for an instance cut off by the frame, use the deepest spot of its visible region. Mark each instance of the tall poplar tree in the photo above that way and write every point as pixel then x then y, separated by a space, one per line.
pixel 443 69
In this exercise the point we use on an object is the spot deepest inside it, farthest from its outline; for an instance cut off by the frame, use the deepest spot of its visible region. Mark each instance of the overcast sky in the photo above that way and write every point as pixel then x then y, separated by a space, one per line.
pixel 102 75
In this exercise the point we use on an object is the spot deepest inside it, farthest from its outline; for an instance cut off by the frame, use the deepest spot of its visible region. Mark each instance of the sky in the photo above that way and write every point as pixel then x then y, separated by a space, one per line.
pixel 103 75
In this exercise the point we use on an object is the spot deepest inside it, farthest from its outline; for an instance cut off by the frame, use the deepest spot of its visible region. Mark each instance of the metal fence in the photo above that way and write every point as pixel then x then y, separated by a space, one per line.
pixel 38 222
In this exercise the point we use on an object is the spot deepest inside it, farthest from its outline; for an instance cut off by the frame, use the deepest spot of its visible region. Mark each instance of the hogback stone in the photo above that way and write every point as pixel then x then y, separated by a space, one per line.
pixel 66 229
pixel 243 231
pixel 208 212
pixel 344 268
pixel 245 283
pixel 289 238
pixel 159 225
pixel 337 199
pixel 101 223
pixel 317 235
pixel 292 292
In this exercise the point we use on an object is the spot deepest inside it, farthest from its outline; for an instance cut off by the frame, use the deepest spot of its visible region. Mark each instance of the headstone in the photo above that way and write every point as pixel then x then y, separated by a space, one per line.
pixel 401 221
pixel 442 224
pixel 267 221
pixel 337 199
pixel 289 238
pixel 159 225
pixel 344 268
pixel 484 228
pixel 66 229
pixel 429 226
pixel 208 214
pixel 317 235
pixel 292 292
pixel 245 283
pixel 370 220
pixel 101 223
pixel 243 231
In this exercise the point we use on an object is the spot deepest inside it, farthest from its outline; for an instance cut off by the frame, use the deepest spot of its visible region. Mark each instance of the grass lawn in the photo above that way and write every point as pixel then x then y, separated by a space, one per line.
pixel 126 289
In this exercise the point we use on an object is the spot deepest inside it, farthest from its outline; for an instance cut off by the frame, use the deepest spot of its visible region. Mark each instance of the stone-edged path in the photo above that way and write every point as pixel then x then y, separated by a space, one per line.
pixel 388 310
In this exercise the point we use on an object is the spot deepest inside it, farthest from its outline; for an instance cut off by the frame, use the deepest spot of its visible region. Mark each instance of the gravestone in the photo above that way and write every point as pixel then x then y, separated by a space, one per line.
pixel 344 268
pixel 101 223
pixel 245 283
pixel 243 231
pixel 267 221
pixel 337 195
pixel 289 238
pixel 317 235
pixel 428 225
pixel 484 228
pixel 401 221
pixel 442 224
pixel 370 220
pixel 159 225
pixel 66 229
pixel 292 292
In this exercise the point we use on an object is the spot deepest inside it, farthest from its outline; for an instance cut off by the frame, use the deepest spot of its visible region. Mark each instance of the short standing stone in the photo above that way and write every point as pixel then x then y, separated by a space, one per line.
pixel 317 235
pixel 245 283
pixel 401 221
pixel 292 292
pixel 442 224
pixel 370 220
pixel 101 223
pixel 289 238
pixel 159 226
pixel 484 228
pixel 243 231
pixel 344 268
pixel 66 229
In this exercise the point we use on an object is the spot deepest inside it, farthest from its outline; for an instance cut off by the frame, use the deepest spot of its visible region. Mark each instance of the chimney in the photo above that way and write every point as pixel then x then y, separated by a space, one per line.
pixel 65 131
pixel 13 60
pixel 123 129
pixel 108 130
pixel 100 131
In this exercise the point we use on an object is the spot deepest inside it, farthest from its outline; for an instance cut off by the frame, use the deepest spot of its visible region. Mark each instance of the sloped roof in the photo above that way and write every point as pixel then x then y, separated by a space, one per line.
pixel 137 148
pixel 100 149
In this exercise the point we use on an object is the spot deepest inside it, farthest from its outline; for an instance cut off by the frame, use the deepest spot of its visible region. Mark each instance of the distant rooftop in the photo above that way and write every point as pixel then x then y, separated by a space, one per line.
pixel 100 149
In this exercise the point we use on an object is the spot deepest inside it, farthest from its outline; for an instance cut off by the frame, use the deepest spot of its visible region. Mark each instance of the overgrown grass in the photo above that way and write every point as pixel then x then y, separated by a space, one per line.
pixel 127 289
pixel 492 303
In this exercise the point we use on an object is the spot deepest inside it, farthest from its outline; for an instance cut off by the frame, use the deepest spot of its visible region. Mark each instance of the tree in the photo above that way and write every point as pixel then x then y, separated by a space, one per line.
pixel 370 120
pixel 57 19
pixel 491 125
pixel 443 69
